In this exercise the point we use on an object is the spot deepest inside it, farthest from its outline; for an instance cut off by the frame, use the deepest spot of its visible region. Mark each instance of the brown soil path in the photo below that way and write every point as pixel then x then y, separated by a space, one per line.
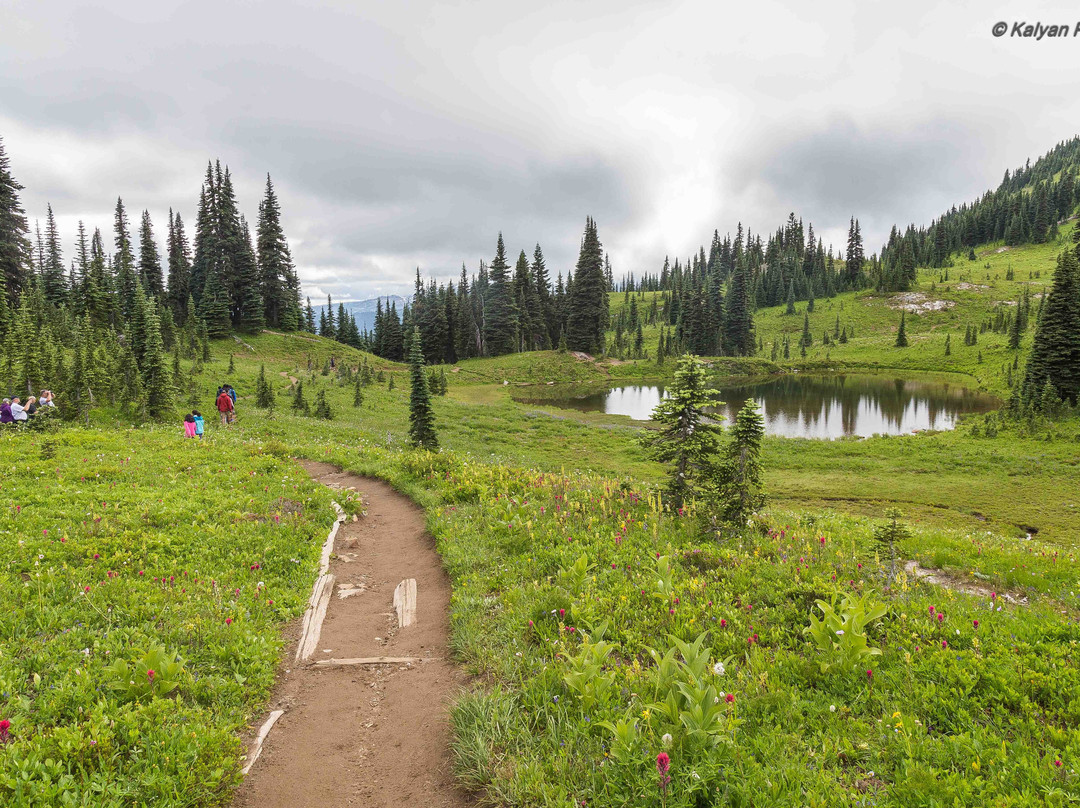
pixel 372 735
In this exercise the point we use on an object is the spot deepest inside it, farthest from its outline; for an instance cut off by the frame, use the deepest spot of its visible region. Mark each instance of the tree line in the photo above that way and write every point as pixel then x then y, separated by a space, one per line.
pixel 99 326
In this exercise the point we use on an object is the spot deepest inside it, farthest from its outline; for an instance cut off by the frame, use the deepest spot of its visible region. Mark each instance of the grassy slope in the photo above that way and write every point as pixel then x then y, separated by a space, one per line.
pixel 210 487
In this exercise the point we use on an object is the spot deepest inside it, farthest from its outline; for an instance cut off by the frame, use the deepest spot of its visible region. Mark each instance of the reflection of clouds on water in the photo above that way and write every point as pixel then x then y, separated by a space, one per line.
pixel 815 406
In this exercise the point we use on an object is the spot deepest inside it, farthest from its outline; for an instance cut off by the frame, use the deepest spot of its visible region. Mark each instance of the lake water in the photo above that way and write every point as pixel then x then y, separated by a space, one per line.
pixel 806 406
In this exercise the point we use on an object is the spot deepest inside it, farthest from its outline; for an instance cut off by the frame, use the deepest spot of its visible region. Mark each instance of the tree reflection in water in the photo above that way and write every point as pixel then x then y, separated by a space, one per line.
pixel 808 406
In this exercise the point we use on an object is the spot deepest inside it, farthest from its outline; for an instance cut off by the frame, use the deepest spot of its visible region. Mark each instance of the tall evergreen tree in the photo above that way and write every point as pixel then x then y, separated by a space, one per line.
pixel 124 262
pixel 739 486
pixel 687 438
pixel 275 261
pixel 421 417
pixel 586 317
pixel 53 277
pixel 15 247
pixel 500 310
pixel 179 269
pixel 1055 354
pixel 150 274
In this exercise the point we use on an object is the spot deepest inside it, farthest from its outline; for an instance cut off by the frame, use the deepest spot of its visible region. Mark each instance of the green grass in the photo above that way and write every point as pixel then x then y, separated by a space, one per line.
pixel 523 493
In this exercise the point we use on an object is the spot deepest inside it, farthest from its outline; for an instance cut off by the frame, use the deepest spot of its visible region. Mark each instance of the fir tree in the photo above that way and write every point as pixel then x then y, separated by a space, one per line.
pixel 124 260
pixel 274 260
pixel 1055 353
pixel 150 275
pixel 500 316
pixel 421 417
pixel 901 333
pixel 179 290
pixel 53 278
pixel 948 344
pixel 686 439
pixel 738 478
pixel 299 403
pixel 807 339
pixel 322 407
pixel 587 305
pixel 358 391
pixel 157 383
pixel 15 247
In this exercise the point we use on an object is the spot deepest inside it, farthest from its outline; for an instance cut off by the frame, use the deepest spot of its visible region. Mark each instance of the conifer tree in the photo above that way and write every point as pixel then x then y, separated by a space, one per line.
pixel 264 393
pixel 948 344
pixel 150 275
pixel 586 317
pixel 274 260
pixel 15 247
pixel 179 290
pixel 500 315
pixel 53 278
pixel 791 298
pixel 739 487
pixel 421 417
pixel 299 404
pixel 157 383
pixel 807 339
pixel 901 333
pixel 358 391
pixel 1055 354
pixel 124 260
pixel 322 406
pixel 889 535
pixel 215 304
pixel 687 438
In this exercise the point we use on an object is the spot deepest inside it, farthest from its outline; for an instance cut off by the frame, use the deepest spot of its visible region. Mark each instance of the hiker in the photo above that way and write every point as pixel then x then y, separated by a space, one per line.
pixel 231 392
pixel 5 412
pixel 198 423
pixel 18 412
pixel 189 425
pixel 225 406
pixel 31 406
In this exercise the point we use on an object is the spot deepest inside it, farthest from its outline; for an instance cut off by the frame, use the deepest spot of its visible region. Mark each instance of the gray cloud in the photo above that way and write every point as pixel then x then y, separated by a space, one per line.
pixel 411 133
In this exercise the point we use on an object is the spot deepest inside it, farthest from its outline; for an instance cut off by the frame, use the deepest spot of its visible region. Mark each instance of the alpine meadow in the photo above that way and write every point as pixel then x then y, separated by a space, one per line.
pixel 784 517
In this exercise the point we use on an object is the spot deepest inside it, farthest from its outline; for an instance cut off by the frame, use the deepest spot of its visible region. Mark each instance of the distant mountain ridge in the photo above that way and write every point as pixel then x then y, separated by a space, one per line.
pixel 364 310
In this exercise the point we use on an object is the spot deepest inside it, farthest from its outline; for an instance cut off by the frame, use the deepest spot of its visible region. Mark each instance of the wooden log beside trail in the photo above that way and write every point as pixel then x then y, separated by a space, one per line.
pixel 405 602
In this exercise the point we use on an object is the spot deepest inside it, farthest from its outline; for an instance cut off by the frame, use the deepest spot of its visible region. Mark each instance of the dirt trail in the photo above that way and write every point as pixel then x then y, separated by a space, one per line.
pixel 371 735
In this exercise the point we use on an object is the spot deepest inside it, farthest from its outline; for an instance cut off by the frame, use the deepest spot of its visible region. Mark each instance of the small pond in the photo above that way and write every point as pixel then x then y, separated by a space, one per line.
pixel 803 405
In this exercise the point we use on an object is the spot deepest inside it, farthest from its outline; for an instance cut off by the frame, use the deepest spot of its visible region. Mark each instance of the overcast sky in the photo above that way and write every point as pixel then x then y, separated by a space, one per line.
pixel 410 133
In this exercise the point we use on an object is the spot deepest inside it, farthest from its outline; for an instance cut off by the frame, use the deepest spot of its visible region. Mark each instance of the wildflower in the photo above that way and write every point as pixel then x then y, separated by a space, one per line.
pixel 666 740
pixel 150 675
pixel 718 668
pixel 663 762
pixel 723 623
pixel 5 732
pixel 941 616
pixel 944 643
pixel 840 633
pixel 228 621
pixel 869 674
pixel 730 698
pixel 562 612
pixel 832 708
pixel 974 623
pixel 1057 763
pixel 932 610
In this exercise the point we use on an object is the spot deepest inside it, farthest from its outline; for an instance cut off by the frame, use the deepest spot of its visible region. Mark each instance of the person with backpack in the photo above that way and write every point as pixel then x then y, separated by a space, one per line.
pixel 225 406
pixel 198 423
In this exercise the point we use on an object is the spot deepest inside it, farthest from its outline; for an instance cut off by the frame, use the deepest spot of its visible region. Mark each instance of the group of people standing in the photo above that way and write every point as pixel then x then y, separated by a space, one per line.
pixel 226 406
pixel 13 411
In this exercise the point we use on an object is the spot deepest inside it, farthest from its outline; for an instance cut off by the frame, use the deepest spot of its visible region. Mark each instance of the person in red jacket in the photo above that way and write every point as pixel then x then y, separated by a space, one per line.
pixel 225 406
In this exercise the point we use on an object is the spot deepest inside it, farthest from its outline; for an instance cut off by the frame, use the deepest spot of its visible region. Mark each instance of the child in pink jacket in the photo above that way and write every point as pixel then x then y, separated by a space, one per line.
pixel 189 425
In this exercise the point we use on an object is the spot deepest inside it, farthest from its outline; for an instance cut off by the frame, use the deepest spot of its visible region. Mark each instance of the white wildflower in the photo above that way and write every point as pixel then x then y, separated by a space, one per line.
pixel 666 740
